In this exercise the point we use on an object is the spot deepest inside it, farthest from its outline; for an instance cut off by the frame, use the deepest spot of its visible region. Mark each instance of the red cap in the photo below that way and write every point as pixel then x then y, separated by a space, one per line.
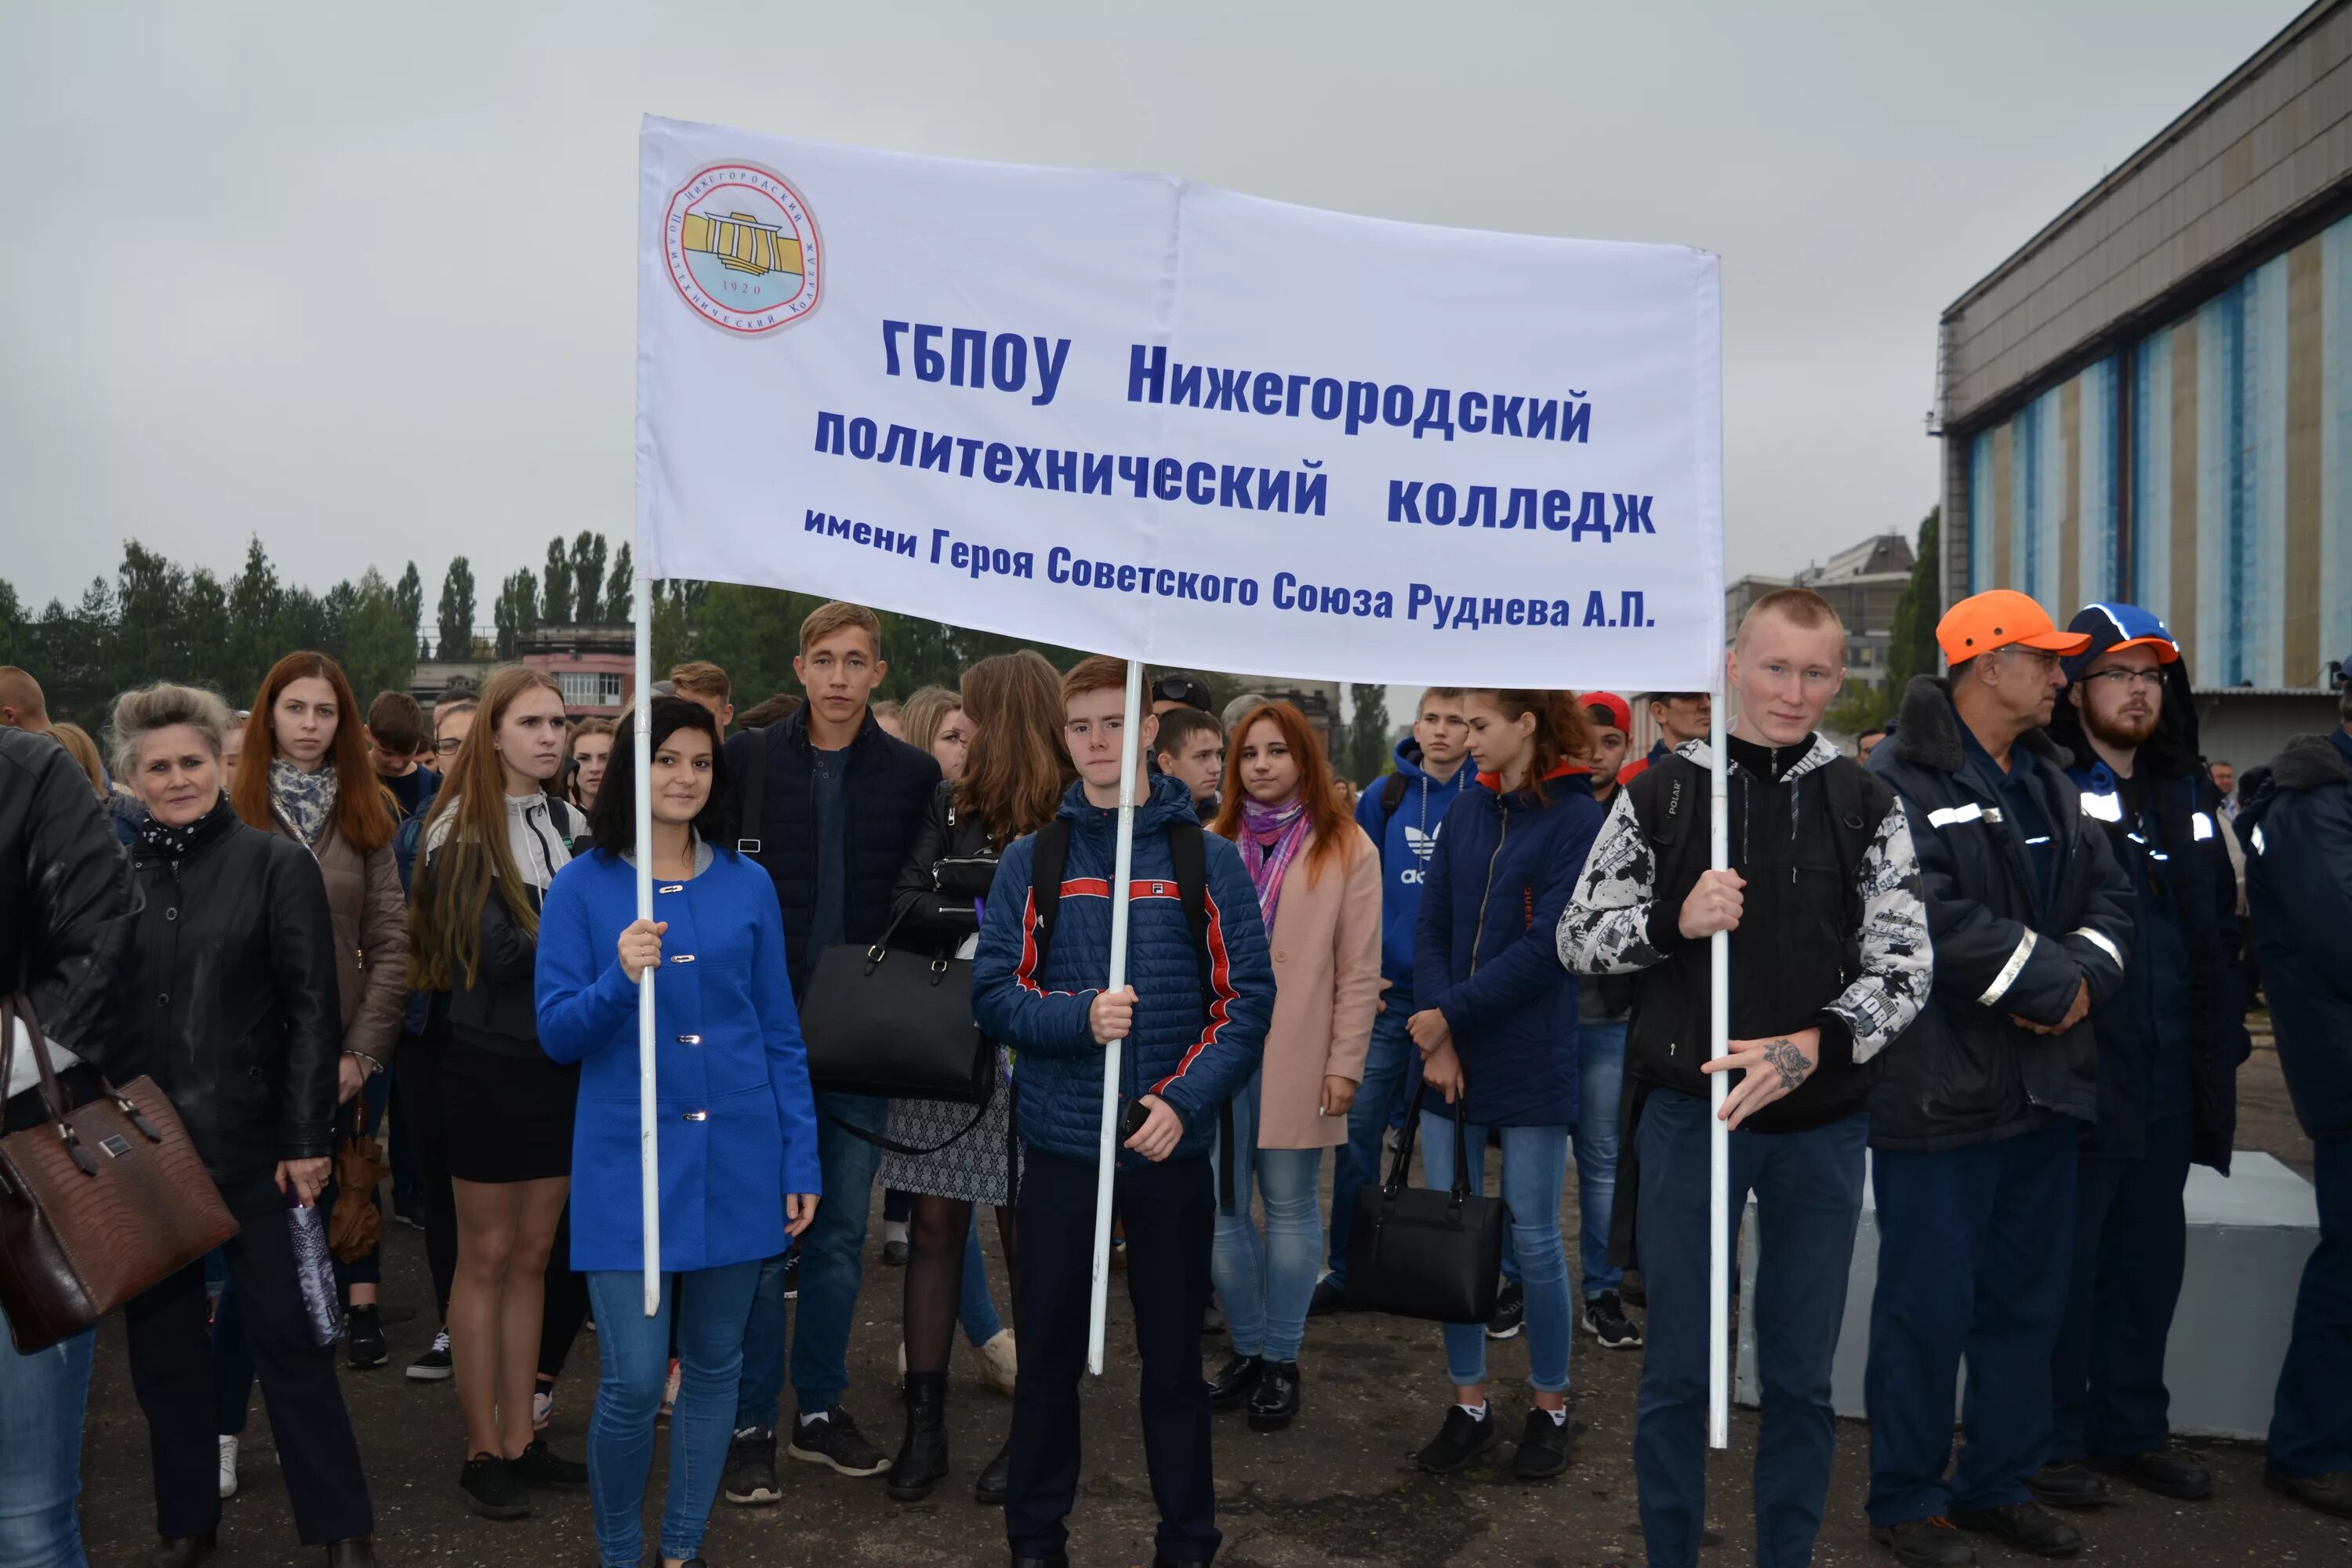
pixel 1996 619
pixel 1609 705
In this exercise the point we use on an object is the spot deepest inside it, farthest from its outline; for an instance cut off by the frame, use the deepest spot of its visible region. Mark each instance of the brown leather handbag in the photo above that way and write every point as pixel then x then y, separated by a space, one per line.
pixel 97 1203
pixel 357 1223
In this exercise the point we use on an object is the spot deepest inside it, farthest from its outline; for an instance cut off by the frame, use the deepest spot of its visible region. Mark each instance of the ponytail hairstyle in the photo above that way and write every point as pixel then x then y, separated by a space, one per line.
pixel 468 860
pixel 1563 732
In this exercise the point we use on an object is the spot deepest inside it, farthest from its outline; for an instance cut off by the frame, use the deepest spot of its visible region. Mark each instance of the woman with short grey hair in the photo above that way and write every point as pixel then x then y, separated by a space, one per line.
pixel 235 945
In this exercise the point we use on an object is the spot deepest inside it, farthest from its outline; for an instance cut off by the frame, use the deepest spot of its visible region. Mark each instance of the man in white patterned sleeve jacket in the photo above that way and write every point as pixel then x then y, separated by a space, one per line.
pixel 1830 962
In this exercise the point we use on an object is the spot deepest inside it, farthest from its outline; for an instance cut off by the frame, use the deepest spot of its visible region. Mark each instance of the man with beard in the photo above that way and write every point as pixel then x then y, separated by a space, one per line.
pixel 2169 1043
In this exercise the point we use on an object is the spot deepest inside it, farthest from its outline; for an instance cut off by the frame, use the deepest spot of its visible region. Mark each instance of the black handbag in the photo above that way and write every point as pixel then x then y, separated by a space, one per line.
pixel 895 1022
pixel 1421 1253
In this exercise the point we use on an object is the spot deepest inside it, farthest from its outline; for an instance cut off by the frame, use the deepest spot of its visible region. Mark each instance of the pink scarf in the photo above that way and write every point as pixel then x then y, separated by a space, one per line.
pixel 1270 836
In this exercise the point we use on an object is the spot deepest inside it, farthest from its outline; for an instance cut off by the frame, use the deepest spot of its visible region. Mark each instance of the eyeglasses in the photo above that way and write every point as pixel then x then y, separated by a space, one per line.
pixel 447 746
pixel 2120 680
pixel 2042 658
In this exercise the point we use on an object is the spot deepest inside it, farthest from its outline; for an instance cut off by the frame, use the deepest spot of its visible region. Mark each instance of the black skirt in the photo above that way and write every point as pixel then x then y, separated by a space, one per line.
pixel 508 1117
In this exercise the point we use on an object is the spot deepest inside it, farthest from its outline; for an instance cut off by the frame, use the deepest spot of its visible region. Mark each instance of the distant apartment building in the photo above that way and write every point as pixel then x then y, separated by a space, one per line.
pixel 1862 583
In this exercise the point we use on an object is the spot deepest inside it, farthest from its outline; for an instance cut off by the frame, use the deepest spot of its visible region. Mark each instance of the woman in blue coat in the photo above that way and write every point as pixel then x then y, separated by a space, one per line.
pixel 738 1127
pixel 1497 1022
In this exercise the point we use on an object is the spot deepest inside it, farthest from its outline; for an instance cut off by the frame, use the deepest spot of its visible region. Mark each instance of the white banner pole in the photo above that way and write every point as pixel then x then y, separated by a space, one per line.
pixel 1123 863
pixel 649 1139
pixel 1718 1142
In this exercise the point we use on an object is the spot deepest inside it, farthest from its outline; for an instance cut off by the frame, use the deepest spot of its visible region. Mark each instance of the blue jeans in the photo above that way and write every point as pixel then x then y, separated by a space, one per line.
pixel 42 1397
pixel 1535 1167
pixel 1265 1284
pixel 2311 1422
pixel 1975 1248
pixel 1808 1188
pixel 832 1267
pixel 2131 1249
pixel 709 1307
pixel 1377 1098
pixel 1600 1055
pixel 977 1311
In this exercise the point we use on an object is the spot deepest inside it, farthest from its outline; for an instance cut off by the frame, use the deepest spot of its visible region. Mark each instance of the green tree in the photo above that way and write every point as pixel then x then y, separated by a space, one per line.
pixel 675 604
pixel 516 615
pixel 621 587
pixel 151 639
pixel 255 599
pixel 555 593
pixel 1367 754
pixel 1912 648
pixel 410 596
pixel 379 646
pixel 11 614
pixel 588 580
pixel 210 656
pixel 455 616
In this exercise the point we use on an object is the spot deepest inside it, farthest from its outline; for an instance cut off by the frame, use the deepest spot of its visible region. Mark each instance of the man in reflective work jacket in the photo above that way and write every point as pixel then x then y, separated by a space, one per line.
pixel 2169 1044
pixel 1973 1122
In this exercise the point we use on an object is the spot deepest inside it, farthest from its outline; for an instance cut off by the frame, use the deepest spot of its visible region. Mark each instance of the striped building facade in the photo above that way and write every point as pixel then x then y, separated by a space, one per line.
pixel 2152 401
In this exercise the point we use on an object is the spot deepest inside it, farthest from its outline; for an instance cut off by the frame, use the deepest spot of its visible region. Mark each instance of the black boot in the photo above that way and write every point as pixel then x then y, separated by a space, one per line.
pixel 184 1552
pixel 923 1456
pixel 996 1483
pixel 1233 1385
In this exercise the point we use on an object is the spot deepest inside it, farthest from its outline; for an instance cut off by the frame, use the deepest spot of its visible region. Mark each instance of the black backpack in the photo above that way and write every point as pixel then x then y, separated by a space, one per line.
pixel 1186 847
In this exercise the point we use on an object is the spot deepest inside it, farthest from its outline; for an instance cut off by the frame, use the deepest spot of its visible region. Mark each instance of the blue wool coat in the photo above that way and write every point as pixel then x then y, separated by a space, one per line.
pixel 736 1124
pixel 1193 1052
pixel 1501 874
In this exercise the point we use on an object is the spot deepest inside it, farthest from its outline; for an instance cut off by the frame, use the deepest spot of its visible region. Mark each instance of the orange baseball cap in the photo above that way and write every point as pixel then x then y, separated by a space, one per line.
pixel 1993 620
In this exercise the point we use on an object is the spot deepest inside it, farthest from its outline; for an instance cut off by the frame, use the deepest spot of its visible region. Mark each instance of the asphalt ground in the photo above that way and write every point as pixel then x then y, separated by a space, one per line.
pixel 1339 1486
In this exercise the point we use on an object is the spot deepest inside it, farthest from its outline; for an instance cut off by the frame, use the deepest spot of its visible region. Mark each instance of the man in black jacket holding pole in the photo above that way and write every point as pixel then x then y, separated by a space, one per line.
pixel 1830 961
pixel 1974 1124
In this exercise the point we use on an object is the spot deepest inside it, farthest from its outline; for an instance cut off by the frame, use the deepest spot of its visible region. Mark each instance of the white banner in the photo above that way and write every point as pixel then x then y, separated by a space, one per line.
pixel 1123 413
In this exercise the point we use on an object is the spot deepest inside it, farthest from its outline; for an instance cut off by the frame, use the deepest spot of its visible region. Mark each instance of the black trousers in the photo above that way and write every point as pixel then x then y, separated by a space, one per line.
pixel 171 1369
pixel 416 1079
pixel 1170 1210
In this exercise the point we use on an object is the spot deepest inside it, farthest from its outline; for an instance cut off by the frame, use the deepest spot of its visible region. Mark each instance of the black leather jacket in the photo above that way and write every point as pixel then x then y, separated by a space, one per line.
pixel 66 902
pixel 949 867
pixel 233 991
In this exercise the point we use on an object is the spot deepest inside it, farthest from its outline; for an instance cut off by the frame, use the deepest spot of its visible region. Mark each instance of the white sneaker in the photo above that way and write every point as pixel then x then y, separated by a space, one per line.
pixel 227 1469
pixel 1000 1363
pixel 543 1408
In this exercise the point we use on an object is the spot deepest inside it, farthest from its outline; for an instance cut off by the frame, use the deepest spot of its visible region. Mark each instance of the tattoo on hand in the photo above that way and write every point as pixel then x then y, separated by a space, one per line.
pixel 1790 1062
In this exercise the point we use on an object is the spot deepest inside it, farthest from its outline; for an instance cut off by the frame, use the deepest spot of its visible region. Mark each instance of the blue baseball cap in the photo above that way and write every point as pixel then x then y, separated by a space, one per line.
pixel 2113 625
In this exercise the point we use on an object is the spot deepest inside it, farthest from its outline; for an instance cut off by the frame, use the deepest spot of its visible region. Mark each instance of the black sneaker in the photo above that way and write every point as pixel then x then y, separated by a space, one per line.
pixel 433 1366
pixel 1510 1312
pixel 1931 1542
pixel 541 1466
pixel 793 1275
pixel 490 1490
pixel 832 1438
pixel 1236 1381
pixel 1543 1447
pixel 749 1478
pixel 409 1212
pixel 2330 1493
pixel 1274 1403
pixel 2027 1526
pixel 1463 1438
pixel 1329 1297
pixel 363 1343
pixel 1605 1320
pixel 2072 1485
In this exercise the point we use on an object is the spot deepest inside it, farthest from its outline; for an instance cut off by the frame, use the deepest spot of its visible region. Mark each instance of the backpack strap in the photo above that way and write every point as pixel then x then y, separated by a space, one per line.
pixel 1186 847
pixel 1052 854
pixel 1853 825
pixel 753 798
pixel 1391 796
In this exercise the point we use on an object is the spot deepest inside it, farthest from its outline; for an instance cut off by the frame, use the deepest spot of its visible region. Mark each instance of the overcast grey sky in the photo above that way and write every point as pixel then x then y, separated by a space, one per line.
pixel 360 278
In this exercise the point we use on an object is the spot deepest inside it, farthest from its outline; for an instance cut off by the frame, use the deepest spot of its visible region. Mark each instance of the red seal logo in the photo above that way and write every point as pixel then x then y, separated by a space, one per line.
pixel 743 250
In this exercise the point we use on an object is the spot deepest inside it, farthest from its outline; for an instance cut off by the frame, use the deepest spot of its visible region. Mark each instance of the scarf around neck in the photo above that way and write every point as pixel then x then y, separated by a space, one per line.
pixel 176 843
pixel 304 800
pixel 1270 839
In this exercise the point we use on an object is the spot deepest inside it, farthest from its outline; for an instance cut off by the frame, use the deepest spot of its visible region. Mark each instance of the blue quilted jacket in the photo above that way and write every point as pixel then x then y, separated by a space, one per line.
pixel 1192 1051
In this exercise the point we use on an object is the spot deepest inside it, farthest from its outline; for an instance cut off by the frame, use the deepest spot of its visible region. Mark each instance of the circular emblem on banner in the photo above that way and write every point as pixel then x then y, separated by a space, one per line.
pixel 743 248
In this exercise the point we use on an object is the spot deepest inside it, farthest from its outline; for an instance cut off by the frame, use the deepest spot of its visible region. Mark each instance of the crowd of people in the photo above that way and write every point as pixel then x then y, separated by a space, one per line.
pixel 2004 957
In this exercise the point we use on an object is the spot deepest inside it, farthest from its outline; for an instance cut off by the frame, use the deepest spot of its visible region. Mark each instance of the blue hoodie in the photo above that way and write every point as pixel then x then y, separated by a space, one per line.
pixel 1406 839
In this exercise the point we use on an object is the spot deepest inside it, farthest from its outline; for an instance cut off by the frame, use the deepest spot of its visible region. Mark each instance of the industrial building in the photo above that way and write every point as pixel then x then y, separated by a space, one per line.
pixel 2152 399
pixel 1863 583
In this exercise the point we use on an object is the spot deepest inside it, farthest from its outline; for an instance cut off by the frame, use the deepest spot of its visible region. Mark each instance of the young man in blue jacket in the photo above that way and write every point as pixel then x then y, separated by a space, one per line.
pixel 1973 1125
pixel 1401 814
pixel 2297 826
pixel 1194 1024
pixel 2169 1044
